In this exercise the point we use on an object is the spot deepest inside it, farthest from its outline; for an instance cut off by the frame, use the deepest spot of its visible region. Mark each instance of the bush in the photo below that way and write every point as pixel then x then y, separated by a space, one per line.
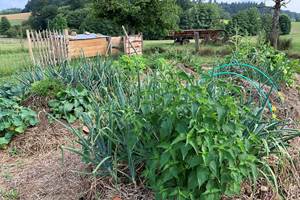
pixel 285 44
pixel 15 32
pixel 47 87
pixel 285 24
pixel 4 26
pixel 14 120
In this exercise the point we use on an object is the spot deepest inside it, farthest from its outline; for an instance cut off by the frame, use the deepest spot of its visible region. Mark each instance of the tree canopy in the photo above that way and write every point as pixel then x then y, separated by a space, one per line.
pixel 151 17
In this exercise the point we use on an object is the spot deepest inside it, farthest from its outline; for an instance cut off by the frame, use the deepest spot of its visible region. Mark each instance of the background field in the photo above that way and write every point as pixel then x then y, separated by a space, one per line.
pixel 295 35
pixel 17 19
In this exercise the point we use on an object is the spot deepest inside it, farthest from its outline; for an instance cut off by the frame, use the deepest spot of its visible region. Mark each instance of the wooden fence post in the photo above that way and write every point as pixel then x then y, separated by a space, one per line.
pixel 197 43
pixel 30 46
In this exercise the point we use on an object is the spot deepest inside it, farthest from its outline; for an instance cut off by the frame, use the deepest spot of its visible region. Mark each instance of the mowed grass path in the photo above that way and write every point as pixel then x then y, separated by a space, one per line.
pixel 295 35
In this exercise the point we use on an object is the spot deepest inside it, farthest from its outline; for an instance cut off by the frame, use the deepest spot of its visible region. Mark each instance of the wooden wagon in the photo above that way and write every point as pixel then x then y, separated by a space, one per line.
pixel 184 36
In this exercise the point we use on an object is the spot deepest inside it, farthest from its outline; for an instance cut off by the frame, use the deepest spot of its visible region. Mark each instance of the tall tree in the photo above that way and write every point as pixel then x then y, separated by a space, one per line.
pixel 154 17
pixel 274 35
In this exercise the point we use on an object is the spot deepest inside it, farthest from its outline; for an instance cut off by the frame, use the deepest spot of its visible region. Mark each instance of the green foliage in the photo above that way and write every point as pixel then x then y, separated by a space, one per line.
pixel 14 119
pixel 42 16
pixel 58 23
pixel 11 91
pixel 285 43
pixel 70 104
pixel 76 18
pixel 200 151
pixel 202 16
pixel 246 22
pixel 273 62
pixel 285 24
pixel 267 23
pixel 47 87
pixel 103 26
pixel 153 18
pixel 4 25
pixel 15 32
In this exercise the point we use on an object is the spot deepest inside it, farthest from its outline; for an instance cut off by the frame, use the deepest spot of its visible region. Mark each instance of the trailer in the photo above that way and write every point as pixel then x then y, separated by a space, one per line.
pixel 214 35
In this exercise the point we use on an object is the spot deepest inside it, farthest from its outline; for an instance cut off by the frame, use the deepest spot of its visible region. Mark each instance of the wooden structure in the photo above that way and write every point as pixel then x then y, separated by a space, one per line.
pixel 207 35
pixel 55 47
pixel 133 44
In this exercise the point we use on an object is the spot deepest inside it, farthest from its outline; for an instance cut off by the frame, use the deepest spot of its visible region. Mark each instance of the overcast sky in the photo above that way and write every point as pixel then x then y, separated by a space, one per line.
pixel 294 5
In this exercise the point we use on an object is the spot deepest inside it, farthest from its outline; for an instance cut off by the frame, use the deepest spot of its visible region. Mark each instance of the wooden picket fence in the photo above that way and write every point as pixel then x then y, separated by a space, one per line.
pixel 48 47
pixel 56 47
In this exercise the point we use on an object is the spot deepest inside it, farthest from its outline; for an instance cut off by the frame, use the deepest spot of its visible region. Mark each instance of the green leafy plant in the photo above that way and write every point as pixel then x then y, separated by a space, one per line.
pixel 47 87
pixel 70 104
pixel 11 91
pixel 274 63
pixel 189 139
pixel 14 119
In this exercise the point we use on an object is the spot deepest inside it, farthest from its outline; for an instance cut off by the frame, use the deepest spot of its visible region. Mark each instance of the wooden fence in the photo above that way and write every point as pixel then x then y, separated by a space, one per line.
pixel 55 47
pixel 47 47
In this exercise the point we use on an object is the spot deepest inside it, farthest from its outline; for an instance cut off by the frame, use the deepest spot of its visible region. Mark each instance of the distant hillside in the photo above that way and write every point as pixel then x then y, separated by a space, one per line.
pixel 16 19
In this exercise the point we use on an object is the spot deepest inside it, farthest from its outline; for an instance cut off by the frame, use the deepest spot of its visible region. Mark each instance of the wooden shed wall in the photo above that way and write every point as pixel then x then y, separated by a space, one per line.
pixel 88 48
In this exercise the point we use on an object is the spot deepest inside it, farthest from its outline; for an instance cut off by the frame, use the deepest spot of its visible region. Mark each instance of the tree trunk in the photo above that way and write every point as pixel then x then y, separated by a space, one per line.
pixel 274 35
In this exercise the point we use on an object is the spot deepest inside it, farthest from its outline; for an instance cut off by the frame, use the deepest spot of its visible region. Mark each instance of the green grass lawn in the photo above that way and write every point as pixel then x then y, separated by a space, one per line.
pixel 295 35
pixel 13 56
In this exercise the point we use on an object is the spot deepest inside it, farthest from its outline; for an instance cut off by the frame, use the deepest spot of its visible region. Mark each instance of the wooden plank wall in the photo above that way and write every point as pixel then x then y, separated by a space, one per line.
pixel 137 43
pixel 117 45
pixel 88 48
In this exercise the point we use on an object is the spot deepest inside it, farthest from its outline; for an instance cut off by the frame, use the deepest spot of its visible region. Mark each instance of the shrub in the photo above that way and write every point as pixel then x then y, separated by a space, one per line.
pixel 285 44
pixel 200 151
pixel 285 24
pixel 14 120
pixel 4 25
pixel 70 104
pixel 47 87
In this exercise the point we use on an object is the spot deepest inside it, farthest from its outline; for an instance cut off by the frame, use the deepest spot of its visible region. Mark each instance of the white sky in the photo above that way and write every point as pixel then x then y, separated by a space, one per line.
pixel 294 5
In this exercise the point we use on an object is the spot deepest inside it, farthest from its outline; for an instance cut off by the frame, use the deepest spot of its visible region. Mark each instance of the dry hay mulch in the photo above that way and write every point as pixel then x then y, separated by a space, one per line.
pixel 43 138
pixel 290 109
pixel 45 177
